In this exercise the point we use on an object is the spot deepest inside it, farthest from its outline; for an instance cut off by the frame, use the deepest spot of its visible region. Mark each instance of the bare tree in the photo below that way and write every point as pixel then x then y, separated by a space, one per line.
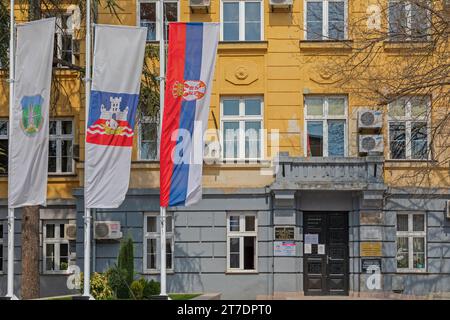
pixel 399 61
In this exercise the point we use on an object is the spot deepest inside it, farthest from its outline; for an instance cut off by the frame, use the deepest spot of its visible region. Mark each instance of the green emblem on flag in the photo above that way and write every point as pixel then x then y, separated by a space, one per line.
pixel 31 114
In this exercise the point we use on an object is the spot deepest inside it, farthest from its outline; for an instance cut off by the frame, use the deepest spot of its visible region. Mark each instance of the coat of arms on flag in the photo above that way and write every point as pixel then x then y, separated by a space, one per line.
pixel 111 119
pixel 31 120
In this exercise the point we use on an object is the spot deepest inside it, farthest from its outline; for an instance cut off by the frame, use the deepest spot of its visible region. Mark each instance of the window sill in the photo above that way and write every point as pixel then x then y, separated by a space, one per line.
pixel 225 46
pixel 391 45
pixel 56 273
pixel 241 272
pixel 402 162
pixel 156 272
pixel 410 271
pixel 342 45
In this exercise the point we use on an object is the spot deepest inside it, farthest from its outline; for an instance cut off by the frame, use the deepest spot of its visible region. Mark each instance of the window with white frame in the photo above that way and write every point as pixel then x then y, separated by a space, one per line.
pixel 1 246
pixel 60 154
pixel 325 19
pixel 56 248
pixel 148 138
pixel 411 242
pixel 408 120
pixel 326 126
pixel 152 244
pixel 64 49
pixel 408 20
pixel 242 242
pixel 3 146
pixel 148 16
pixel 241 20
pixel 242 127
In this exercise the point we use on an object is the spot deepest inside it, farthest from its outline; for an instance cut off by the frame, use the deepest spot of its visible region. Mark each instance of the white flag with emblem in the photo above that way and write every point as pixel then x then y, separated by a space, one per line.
pixel 29 129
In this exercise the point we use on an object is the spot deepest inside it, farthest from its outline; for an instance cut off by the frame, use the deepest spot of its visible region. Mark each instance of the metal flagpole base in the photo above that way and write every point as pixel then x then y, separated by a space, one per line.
pixel 13 297
pixel 89 297
pixel 160 297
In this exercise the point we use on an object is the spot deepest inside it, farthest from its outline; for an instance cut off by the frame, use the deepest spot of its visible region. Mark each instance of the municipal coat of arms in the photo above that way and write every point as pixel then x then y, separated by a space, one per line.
pixel 112 125
pixel 31 120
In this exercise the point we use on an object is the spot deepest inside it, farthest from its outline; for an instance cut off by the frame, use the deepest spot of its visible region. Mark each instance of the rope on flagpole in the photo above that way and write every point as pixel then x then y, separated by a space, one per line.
pixel 11 218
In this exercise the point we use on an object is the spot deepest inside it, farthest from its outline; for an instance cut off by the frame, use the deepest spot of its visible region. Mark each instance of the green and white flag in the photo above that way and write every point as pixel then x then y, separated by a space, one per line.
pixel 29 133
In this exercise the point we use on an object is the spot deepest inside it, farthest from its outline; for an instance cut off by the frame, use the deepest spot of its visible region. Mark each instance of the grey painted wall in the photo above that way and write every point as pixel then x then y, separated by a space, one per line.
pixel 200 241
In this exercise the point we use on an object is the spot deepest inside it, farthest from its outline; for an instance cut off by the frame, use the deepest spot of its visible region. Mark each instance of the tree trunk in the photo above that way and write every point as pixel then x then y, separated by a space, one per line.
pixel 30 252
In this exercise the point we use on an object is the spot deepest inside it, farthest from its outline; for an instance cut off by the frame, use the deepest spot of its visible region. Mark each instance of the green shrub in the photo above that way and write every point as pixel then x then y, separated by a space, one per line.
pixel 137 289
pixel 99 286
pixel 125 260
pixel 118 282
pixel 152 288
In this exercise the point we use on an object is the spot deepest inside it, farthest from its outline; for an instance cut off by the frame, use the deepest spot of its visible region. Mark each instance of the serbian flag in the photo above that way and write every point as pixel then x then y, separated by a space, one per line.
pixel 190 71
pixel 118 60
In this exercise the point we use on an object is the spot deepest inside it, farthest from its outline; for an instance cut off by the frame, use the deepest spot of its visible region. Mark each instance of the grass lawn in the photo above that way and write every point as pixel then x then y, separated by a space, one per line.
pixel 183 296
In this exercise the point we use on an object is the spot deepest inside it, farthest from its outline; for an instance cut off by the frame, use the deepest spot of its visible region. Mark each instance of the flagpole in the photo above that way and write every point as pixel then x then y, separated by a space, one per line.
pixel 87 211
pixel 10 281
pixel 162 67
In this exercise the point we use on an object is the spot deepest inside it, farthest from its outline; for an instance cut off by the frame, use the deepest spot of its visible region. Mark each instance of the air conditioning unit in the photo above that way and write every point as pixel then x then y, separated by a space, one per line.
pixel 211 152
pixel 281 4
pixel 107 230
pixel 70 231
pixel 370 119
pixel 199 4
pixel 447 209
pixel 371 143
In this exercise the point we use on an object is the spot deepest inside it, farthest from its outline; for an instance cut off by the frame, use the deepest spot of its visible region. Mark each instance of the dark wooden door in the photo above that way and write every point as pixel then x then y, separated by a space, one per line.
pixel 325 268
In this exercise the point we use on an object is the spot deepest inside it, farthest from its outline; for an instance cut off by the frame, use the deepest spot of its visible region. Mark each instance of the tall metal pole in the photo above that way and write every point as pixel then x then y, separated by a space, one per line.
pixel 87 211
pixel 10 281
pixel 162 67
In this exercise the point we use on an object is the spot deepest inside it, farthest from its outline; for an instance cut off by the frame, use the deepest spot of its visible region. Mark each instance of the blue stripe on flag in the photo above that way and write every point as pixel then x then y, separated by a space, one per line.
pixel 192 70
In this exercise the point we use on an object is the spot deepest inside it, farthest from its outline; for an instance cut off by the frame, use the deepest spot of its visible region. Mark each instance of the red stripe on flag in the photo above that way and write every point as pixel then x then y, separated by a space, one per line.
pixel 172 106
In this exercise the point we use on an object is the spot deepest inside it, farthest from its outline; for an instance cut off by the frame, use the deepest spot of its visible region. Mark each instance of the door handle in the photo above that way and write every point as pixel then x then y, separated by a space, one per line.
pixel 328 258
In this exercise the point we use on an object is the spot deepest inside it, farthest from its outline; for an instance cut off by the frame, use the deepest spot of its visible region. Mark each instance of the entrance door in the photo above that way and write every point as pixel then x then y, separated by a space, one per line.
pixel 325 260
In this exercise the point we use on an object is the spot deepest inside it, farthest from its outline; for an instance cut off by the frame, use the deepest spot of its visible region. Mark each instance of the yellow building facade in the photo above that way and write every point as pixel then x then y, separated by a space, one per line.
pixel 277 69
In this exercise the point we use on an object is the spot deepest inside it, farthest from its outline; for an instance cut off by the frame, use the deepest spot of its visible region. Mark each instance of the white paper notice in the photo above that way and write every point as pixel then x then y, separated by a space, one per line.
pixel 312 238
pixel 321 249
pixel 308 248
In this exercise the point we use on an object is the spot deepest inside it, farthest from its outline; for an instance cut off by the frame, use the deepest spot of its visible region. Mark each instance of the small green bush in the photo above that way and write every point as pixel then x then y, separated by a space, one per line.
pixel 117 280
pixel 100 289
pixel 137 289
pixel 125 260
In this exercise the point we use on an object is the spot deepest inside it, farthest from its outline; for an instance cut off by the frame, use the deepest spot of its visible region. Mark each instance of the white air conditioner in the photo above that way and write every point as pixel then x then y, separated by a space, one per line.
pixel 70 231
pixel 282 4
pixel 199 4
pixel 370 119
pixel 371 143
pixel 447 209
pixel 107 230
pixel 211 152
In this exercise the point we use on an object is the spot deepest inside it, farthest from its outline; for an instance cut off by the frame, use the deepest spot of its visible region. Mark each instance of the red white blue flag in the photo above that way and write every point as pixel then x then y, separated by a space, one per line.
pixel 118 59
pixel 190 71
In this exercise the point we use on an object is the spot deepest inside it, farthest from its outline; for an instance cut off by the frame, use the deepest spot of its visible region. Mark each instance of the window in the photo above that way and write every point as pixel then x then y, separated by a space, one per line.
pixel 3 146
pixel 242 133
pixel 241 20
pixel 148 15
pixel 56 248
pixel 1 246
pixel 325 20
pixel 411 242
pixel 408 128
pixel 64 49
pixel 326 126
pixel 148 138
pixel 152 244
pixel 242 242
pixel 408 21
pixel 60 156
